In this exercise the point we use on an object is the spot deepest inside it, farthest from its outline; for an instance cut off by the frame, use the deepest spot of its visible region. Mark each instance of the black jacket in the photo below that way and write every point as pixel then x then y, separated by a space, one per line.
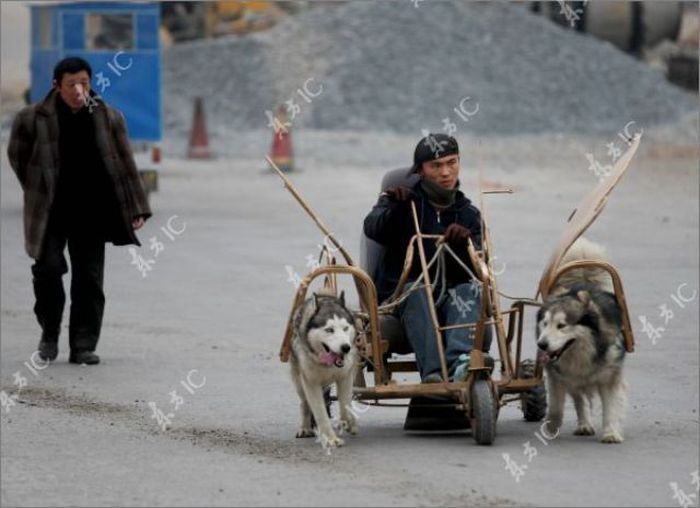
pixel 391 224
pixel 85 203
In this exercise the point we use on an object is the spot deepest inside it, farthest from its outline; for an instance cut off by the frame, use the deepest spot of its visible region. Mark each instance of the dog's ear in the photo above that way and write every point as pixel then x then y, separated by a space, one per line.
pixel 342 298
pixel 316 304
pixel 584 297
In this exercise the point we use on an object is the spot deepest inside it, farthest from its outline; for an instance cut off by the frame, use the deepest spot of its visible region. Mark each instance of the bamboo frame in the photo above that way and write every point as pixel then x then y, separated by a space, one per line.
pixel 618 292
pixel 368 299
pixel 490 312
pixel 290 187
pixel 491 306
pixel 587 211
pixel 511 387
pixel 428 286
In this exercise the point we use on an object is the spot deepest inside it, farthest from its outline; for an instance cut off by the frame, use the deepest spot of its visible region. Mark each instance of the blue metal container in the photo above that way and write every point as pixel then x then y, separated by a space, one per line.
pixel 120 40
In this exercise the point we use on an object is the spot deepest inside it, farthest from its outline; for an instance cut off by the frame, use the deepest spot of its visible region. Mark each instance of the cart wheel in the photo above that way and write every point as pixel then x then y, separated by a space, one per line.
pixel 534 401
pixel 484 411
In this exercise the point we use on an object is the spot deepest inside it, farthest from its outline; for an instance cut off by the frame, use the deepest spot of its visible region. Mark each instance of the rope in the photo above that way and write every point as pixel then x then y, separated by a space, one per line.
pixel 438 260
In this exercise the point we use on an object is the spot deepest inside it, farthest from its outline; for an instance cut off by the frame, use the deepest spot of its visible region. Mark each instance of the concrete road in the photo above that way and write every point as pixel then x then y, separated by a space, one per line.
pixel 214 305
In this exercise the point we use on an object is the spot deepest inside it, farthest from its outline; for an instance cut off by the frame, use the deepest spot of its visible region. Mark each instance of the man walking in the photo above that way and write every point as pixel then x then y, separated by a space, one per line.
pixel 81 187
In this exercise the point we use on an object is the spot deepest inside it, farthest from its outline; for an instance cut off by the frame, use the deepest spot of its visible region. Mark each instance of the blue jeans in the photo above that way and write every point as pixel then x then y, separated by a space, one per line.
pixel 459 305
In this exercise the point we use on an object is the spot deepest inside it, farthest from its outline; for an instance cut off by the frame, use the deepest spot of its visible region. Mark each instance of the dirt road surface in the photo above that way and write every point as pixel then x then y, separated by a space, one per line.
pixel 214 305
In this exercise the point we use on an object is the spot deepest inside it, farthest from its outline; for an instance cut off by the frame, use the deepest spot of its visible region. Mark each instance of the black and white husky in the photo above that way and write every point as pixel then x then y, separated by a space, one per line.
pixel 581 346
pixel 323 353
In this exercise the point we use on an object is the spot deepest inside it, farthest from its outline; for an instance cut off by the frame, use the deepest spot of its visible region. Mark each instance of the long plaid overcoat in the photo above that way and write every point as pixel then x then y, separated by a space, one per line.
pixel 33 151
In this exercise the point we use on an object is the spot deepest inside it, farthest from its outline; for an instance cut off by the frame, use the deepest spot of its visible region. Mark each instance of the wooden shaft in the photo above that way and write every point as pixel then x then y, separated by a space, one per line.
pixel 290 187
pixel 367 292
pixel 429 292
pixel 617 286
pixel 494 298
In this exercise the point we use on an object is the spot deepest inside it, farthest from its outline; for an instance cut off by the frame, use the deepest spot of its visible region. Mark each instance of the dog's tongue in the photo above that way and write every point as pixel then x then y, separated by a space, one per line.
pixel 329 358
pixel 542 356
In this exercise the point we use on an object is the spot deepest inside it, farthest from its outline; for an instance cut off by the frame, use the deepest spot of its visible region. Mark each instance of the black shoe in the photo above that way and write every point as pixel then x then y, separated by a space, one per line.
pixel 86 357
pixel 48 348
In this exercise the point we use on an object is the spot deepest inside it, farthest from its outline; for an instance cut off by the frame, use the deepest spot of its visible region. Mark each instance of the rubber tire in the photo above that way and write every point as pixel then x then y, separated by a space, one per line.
pixel 484 411
pixel 534 401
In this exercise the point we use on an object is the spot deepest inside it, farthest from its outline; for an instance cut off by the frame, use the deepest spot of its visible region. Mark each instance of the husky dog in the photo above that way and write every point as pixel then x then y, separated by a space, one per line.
pixel 580 344
pixel 323 353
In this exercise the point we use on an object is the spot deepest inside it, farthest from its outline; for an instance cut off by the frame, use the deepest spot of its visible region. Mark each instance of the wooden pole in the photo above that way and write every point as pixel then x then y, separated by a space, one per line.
pixel 429 292
pixel 290 187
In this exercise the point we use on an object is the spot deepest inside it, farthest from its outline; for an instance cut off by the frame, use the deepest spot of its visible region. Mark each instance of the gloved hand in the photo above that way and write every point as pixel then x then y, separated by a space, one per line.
pixel 398 194
pixel 456 234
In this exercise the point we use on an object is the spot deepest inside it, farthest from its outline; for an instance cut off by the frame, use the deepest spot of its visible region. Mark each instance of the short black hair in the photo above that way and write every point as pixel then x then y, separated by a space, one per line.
pixel 71 65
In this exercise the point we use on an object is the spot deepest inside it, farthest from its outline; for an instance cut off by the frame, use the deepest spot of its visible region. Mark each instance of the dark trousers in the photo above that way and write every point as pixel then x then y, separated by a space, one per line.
pixel 87 257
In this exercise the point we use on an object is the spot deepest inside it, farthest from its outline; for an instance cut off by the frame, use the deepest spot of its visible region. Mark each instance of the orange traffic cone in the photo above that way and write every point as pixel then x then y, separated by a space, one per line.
pixel 281 152
pixel 199 141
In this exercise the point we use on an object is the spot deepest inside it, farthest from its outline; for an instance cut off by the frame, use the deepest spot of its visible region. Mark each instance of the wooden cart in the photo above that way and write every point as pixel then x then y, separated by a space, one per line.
pixel 479 397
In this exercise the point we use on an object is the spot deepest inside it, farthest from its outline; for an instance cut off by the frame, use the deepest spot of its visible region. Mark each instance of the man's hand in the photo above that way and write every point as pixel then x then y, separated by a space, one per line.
pixel 137 223
pixel 398 194
pixel 456 234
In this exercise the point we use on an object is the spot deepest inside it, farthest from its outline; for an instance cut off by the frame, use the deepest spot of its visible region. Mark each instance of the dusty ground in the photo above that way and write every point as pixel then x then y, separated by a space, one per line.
pixel 217 300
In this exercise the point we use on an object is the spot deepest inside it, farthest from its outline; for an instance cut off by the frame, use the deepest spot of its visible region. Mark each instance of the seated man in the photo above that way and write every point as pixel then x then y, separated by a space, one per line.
pixel 442 210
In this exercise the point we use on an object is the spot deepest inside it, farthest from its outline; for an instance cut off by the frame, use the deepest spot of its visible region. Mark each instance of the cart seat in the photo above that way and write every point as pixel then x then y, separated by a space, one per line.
pixel 371 254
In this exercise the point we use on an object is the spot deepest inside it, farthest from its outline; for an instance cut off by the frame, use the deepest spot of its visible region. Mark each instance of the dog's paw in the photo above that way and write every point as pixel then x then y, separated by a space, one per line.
pixel 552 427
pixel 331 441
pixel 612 436
pixel 584 429
pixel 349 426
pixel 305 433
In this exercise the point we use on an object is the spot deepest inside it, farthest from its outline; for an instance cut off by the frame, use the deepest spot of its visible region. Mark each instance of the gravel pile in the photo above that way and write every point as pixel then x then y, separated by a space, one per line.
pixel 392 67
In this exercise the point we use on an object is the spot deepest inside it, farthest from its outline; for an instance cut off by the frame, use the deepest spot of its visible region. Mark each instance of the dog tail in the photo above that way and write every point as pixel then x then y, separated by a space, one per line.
pixel 585 249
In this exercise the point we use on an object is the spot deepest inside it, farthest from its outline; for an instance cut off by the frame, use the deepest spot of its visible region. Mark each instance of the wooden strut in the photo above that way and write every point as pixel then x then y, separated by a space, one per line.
pixel 290 187
pixel 367 293
pixel 383 389
pixel 428 287
pixel 348 259
pixel 619 293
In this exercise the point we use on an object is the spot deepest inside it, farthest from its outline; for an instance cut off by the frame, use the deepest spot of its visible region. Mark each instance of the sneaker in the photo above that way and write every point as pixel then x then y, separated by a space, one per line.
pixel 84 357
pixel 48 348
pixel 433 377
pixel 462 368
